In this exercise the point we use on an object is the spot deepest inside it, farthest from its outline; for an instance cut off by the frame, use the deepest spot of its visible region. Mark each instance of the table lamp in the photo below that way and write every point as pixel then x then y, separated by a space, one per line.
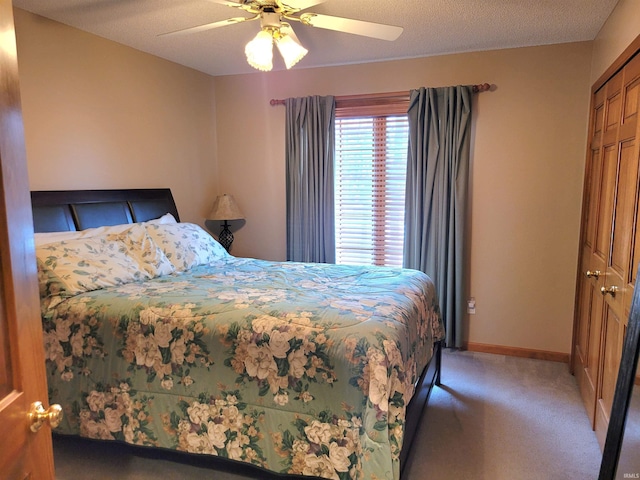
pixel 225 208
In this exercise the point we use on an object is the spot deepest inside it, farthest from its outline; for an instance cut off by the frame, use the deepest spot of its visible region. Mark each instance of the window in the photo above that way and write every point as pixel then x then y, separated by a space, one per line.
pixel 371 138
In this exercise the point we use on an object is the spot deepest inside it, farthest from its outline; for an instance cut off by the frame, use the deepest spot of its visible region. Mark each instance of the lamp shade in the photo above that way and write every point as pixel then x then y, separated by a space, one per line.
pixel 225 208
pixel 259 51
pixel 289 46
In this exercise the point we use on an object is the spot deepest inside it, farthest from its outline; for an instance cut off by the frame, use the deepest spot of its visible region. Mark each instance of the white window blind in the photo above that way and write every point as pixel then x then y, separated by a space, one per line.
pixel 370 171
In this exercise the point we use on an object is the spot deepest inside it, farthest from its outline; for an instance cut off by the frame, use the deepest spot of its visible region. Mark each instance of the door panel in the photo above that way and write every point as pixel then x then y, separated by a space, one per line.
pixel 585 331
pixel 6 371
pixel 592 366
pixel 619 283
pixel 612 349
pixel 613 107
pixel 591 204
pixel 611 359
pixel 631 99
pixel 604 218
pixel 624 224
pixel 631 117
pixel 608 241
pixel 23 454
pixel 624 211
pixel 585 362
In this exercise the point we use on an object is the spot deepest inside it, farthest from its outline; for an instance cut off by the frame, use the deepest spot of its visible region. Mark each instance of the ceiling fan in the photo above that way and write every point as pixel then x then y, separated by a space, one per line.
pixel 274 28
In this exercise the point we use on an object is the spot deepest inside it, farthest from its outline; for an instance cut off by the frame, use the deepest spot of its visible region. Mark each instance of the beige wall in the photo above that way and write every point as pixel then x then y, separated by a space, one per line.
pixel 527 168
pixel 94 110
pixel 621 28
pixel 101 115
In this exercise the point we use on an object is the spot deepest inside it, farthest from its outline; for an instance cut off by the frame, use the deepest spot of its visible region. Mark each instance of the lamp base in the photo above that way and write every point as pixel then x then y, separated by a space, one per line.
pixel 226 237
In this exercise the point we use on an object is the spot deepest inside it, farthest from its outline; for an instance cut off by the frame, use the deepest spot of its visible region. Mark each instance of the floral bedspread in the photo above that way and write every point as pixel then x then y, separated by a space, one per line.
pixel 298 368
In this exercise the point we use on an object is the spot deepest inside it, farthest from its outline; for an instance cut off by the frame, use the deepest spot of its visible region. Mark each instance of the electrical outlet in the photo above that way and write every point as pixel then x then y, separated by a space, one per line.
pixel 471 306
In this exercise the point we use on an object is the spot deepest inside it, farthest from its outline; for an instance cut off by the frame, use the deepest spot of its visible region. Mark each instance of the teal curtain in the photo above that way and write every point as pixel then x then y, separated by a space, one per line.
pixel 310 142
pixel 436 196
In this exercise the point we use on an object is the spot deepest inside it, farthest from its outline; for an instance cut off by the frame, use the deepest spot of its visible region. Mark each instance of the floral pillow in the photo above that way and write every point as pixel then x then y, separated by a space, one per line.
pixel 139 245
pixel 71 267
pixel 186 245
pixel 51 237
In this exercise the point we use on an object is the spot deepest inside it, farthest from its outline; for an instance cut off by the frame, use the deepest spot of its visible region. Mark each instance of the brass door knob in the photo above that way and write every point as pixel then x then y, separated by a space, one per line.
pixel 595 274
pixel 611 290
pixel 38 415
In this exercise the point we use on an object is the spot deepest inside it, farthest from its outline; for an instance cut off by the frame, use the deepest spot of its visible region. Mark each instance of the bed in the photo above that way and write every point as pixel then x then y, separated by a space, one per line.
pixel 155 336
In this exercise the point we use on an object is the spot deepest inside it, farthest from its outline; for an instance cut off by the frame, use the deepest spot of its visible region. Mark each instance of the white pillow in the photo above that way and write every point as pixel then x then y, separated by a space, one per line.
pixel 139 245
pixel 79 265
pixel 51 237
pixel 186 245
pixel 163 220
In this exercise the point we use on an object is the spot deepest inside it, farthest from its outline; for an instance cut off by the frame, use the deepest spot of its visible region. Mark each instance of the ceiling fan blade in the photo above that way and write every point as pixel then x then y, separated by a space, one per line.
pixel 356 27
pixel 290 6
pixel 246 5
pixel 230 3
pixel 297 5
pixel 209 26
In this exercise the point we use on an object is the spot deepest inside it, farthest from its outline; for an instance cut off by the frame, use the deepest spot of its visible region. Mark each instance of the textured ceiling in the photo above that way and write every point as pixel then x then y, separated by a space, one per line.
pixel 431 27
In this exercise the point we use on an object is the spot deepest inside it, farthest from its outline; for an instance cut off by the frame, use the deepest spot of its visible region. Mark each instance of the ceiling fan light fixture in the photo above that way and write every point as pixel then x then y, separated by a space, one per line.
pixel 259 51
pixel 273 29
pixel 289 46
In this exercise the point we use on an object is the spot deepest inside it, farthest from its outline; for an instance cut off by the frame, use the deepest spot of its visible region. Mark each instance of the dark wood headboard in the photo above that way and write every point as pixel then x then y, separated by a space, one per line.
pixel 70 210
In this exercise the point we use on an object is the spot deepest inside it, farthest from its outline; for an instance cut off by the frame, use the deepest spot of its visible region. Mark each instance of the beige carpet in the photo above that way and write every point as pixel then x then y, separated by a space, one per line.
pixel 494 418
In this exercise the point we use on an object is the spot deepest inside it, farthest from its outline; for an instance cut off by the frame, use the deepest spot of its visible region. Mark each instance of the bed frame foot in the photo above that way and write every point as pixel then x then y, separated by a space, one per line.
pixel 438 346
pixel 430 377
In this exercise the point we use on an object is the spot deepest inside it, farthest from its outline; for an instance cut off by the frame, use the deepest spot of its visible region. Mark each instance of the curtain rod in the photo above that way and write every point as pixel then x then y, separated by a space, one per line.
pixel 483 87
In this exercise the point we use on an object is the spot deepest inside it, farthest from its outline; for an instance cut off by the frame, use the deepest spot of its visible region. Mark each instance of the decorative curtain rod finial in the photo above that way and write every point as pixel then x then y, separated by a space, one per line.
pixel 483 87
